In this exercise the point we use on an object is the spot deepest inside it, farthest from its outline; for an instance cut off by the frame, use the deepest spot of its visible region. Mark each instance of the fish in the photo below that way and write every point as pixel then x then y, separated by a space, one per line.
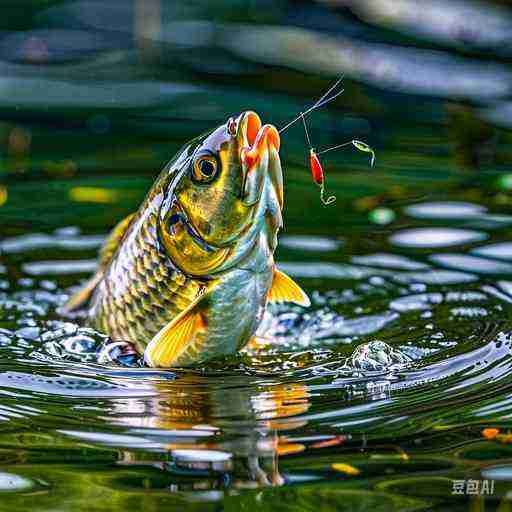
pixel 188 276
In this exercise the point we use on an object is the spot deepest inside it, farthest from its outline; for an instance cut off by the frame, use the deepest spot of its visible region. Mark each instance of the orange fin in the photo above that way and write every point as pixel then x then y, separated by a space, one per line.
pixel 82 296
pixel 174 337
pixel 285 289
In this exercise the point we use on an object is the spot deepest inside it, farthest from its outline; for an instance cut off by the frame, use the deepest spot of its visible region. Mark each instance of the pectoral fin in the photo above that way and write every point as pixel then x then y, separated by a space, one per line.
pixel 174 337
pixel 285 289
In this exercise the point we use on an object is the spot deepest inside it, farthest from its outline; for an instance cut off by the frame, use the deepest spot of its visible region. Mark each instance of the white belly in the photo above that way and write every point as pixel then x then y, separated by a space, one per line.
pixel 238 302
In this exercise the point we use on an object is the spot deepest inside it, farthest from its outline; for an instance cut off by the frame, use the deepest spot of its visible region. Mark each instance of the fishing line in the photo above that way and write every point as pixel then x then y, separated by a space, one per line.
pixel 323 100
pixel 361 146
pixel 307 133
pixel 334 147
pixel 315 165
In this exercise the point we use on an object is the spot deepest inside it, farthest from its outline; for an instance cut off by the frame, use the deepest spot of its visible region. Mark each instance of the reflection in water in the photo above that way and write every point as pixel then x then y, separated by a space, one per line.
pixel 234 432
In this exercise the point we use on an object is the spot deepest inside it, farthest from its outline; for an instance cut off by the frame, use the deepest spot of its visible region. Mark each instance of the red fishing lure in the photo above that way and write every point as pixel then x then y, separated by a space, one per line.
pixel 318 176
pixel 315 165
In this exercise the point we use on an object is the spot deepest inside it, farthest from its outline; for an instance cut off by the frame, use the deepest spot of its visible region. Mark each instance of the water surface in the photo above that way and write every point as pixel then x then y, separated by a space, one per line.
pixel 376 396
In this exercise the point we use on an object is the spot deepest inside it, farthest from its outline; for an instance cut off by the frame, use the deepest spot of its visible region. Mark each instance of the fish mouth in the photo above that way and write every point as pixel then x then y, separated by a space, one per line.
pixel 255 138
pixel 259 155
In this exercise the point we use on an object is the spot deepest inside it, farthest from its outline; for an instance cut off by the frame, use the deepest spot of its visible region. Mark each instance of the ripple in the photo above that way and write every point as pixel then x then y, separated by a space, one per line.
pixel 435 277
pixel 460 24
pixel 9 482
pixel 489 221
pixel 46 93
pixel 399 68
pixel 502 250
pixel 60 267
pixel 79 43
pixel 362 325
pixel 112 439
pixel 72 386
pixel 68 341
pixel 436 237
pixel 454 210
pixel 310 243
pixel 319 269
pixel 472 263
pixel 36 241
pixel 499 113
pixel 502 473
pixel 417 302
pixel 389 261
pixel 201 455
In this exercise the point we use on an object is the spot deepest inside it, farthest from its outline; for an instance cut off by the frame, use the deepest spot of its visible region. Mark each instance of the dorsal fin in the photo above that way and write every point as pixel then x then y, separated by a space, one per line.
pixel 82 296
pixel 114 239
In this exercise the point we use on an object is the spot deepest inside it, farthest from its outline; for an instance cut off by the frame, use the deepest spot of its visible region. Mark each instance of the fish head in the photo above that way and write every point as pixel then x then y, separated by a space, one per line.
pixel 229 191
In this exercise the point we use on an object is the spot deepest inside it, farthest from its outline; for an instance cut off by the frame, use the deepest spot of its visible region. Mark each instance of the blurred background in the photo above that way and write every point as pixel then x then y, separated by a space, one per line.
pixel 396 382
pixel 96 96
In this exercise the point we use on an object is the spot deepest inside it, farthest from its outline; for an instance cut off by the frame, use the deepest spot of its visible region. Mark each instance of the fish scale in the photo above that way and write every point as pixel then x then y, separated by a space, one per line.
pixel 188 276
pixel 146 290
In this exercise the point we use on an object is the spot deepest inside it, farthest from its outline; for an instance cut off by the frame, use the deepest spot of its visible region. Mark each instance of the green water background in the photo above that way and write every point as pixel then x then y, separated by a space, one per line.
pixel 96 97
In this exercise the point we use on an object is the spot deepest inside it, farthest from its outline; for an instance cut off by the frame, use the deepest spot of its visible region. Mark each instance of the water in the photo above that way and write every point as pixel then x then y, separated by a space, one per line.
pixel 375 397
pixel 392 374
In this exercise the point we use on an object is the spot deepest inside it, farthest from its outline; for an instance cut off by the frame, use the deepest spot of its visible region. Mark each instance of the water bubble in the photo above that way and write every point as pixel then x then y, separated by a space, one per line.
pixel 376 355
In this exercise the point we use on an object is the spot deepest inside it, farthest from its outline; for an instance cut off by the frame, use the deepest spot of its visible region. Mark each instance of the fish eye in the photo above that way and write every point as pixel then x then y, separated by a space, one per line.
pixel 205 168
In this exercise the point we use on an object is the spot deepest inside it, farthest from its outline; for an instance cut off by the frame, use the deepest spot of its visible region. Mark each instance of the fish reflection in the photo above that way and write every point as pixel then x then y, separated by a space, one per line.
pixel 227 436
